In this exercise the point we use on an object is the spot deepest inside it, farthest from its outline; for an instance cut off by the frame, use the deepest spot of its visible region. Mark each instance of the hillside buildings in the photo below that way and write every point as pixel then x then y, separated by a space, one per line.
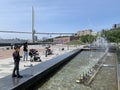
pixel 116 26
pixel 66 39
pixel 86 32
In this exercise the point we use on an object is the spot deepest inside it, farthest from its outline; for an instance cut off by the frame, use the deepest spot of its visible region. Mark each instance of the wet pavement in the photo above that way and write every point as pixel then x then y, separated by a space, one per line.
pixel 6 60
pixel 6 65
pixel 32 74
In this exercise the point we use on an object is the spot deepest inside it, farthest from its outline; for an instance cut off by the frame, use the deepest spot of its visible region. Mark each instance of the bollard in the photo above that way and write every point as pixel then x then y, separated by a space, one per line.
pixel 45 53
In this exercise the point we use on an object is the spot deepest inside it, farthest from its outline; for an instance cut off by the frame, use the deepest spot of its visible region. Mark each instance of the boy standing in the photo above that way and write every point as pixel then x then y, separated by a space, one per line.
pixel 16 57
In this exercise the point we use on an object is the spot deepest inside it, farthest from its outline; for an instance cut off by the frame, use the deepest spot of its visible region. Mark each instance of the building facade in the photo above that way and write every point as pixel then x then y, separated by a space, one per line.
pixel 84 32
pixel 63 40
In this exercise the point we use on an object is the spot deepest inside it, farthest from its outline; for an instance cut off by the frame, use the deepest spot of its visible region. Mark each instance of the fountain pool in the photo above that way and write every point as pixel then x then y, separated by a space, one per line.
pixel 65 78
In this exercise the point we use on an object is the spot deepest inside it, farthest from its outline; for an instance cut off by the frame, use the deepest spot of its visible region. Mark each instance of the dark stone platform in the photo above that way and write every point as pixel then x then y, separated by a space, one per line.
pixel 37 73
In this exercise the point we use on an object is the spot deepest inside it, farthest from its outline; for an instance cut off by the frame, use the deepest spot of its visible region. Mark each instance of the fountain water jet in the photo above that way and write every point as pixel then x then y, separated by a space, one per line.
pixel 95 64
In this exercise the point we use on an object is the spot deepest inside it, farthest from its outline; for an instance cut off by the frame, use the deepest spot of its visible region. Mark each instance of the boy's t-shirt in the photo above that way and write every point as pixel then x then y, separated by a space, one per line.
pixel 16 56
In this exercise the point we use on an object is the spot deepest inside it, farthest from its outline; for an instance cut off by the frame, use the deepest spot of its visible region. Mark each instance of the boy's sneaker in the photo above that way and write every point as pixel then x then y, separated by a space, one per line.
pixel 19 76
pixel 14 75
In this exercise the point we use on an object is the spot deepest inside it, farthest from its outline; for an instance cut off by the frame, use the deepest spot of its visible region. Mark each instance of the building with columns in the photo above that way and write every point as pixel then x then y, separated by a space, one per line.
pixel 84 32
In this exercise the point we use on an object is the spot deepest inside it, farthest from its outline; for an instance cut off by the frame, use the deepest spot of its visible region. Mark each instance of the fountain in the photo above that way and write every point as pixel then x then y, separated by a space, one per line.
pixel 101 44
pixel 82 69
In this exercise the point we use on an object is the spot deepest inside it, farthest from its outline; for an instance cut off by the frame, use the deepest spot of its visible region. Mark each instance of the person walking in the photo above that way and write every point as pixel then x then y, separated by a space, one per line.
pixel 16 57
pixel 25 49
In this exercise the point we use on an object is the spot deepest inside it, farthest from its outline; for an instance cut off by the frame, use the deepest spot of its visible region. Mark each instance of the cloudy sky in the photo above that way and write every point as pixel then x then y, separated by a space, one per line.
pixel 57 15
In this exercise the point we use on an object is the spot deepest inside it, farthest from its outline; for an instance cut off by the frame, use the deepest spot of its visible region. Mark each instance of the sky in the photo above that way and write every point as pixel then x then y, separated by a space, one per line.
pixel 67 16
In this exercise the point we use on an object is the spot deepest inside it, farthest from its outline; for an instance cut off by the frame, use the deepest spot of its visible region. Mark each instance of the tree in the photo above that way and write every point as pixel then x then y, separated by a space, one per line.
pixel 112 35
pixel 87 38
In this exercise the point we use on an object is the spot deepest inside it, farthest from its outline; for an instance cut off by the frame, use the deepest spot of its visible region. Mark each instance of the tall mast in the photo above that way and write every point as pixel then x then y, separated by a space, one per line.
pixel 33 31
